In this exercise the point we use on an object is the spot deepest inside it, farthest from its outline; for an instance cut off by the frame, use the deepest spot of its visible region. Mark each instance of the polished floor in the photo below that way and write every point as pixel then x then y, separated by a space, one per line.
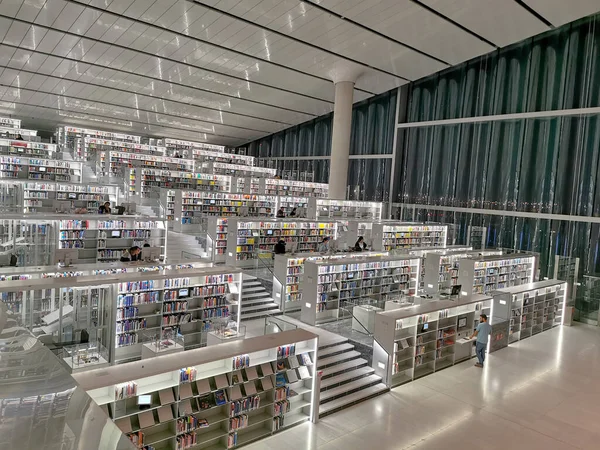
pixel 541 393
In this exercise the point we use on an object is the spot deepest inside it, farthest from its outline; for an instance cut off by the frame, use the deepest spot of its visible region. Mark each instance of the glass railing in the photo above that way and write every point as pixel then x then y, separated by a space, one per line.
pixel 277 324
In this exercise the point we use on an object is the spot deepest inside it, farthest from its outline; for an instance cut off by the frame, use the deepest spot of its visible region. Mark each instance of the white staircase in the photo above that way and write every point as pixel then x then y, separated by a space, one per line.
pixel 347 378
pixel 256 301
pixel 179 242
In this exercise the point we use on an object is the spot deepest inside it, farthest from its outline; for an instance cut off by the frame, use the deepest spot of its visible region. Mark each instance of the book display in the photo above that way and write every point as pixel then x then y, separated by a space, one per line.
pixel 227 395
pixel 332 285
pixel 210 182
pixel 412 342
pixel 442 266
pixel 143 182
pixel 111 163
pixel 246 185
pixel 73 139
pixel 203 156
pixel 53 197
pixel 216 238
pixel 290 203
pixel 185 148
pixel 27 148
pixel 289 271
pixel 390 237
pixel 249 240
pixel 319 208
pixel 292 188
pixel 192 206
pixel 94 145
pixel 10 132
pixel 489 273
pixel 236 170
pixel 531 308
pixel 103 238
pixel 174 306
pixel 39 169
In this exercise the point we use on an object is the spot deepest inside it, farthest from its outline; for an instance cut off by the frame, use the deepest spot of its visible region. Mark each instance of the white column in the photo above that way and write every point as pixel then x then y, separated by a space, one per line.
pixel 340 141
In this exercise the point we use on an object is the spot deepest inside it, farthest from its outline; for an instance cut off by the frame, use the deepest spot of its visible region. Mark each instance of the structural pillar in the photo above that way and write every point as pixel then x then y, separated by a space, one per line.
pixel 340 141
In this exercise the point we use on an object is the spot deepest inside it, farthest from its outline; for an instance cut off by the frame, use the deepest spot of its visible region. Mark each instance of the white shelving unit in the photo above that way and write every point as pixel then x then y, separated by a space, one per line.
pixel 236 170
pixel 111 163
pixel 249 240
pixel 442 267
pixel 289 271
pixel 204 156
pixel 416 341
pixel 27 148
pixel 13 167
pixel 192 206
pixel 486 274
pixel 289 203
pixel 43 196
pixel 216 238
pixel 73 139
pixel 226 395
pixel 13 133
pixel 531 308
pixel 321 208
pixel 328 286
pixel 10 122
pixel 103 238
pixel 185 148
pixel 390 237
pixel 291 188
pixel 210 182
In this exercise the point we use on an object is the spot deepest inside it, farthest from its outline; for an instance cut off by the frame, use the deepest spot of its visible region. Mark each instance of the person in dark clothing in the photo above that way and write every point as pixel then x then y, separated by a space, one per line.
pixel 360 245
pixel 146 245
pixel 105 208
pixel 293 213
pixel 125 256
pixel 136 253
pixel 279 247
pixel 280 213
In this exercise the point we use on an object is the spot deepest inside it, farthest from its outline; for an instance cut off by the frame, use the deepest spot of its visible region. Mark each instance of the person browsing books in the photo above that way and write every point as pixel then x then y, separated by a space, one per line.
pixel 293 213
pixel 280 213
pixel 279 247
pixel 136 253
pixel 482 333
pixel 324 245
pixel 104 208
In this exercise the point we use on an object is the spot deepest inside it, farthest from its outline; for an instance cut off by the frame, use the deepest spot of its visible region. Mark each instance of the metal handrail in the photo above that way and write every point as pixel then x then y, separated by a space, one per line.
pixel 190 255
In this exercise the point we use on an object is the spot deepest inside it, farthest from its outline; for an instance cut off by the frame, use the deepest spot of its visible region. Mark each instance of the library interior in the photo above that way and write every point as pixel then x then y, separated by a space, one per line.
pixel 312 224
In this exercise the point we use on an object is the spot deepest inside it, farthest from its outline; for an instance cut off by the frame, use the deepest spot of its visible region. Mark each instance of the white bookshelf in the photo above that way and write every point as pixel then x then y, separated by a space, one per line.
pixel 13 167
pixel 13 133
pixel 416 341
pixel 203 156
pixel 211 182
pixel 185 148
pixel 103 238
pixel 292 188
pixel 486 274
pixel 321 208
pixel 192 206
pixel 236 170
pixel 328 286
pixel 111 163
pixel 531 308
pixel 10 122
pixel 42 196
pixel 27 148
pixel 405 236
pixel 216 238
pixel 212 402
pixel 289 203
pixel 288 273
pixel 246 185
pixel 248 240
pixel 73 138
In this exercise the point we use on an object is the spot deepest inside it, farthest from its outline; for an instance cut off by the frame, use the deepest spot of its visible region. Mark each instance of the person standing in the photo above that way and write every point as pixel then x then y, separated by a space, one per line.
pixel 482 333
pixel 280 213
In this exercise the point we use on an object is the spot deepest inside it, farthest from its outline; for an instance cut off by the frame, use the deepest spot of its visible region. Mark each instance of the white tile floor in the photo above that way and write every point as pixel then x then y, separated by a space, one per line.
pixel 541 393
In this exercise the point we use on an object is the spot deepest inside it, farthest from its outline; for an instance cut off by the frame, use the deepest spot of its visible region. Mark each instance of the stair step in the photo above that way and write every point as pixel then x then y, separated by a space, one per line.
pixel 263 307
pixel 352 399
pixel 350 387
pixel 254 282
pixel 345 377
pixel 253 289
pixel 337 358
pixel 348 365
pixel 258 315
pixel 255 302
pixel 254 294
pixel 335 349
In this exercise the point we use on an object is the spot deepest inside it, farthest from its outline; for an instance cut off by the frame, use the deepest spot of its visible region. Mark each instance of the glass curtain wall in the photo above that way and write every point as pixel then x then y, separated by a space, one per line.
pixel 307 147
pixel 541 165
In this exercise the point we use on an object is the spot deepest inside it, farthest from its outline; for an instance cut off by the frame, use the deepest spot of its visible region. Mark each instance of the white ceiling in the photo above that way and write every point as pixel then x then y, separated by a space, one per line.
pixel 231 71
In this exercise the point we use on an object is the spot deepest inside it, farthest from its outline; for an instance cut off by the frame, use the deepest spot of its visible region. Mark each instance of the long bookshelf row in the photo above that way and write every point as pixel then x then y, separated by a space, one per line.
pixel 246 391
pixel 390 237
pixel 74 139
pixel 53 196
pixel 331 286
pixel 487 274
pixel 39 169
pixel 27 148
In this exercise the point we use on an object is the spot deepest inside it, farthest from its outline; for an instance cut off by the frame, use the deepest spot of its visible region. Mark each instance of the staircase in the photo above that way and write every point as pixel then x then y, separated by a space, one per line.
pixel 179 242
pixel 347 377
pixel 256 300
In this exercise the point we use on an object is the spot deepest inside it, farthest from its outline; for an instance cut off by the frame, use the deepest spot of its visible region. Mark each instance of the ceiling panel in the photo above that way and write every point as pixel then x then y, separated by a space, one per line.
pixel 559 12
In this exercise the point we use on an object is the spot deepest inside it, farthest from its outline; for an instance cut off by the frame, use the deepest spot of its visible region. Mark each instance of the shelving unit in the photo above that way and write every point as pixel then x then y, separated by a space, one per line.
pixel 291 188
pixel 320 208
pixel 390 237
pixel 442 267
pixel 329 286
pixel 94 145
pixel 531 308
pixel 10 122
pixel 203 156
pixel 13 133
pixel 245 185
pixel 43 196
pixel 103 238
pixel 27 148
pixel 227 396
pixel 73 138
pixel 248 240
pixel 216 238
pixel 413 342
pixel 210 182
pixel 236 170
pixel 289 270
pixel 39 169
pixel 289 203
pixel 111 163
pixel 489 273
pixel 185 148
pixel 192 206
